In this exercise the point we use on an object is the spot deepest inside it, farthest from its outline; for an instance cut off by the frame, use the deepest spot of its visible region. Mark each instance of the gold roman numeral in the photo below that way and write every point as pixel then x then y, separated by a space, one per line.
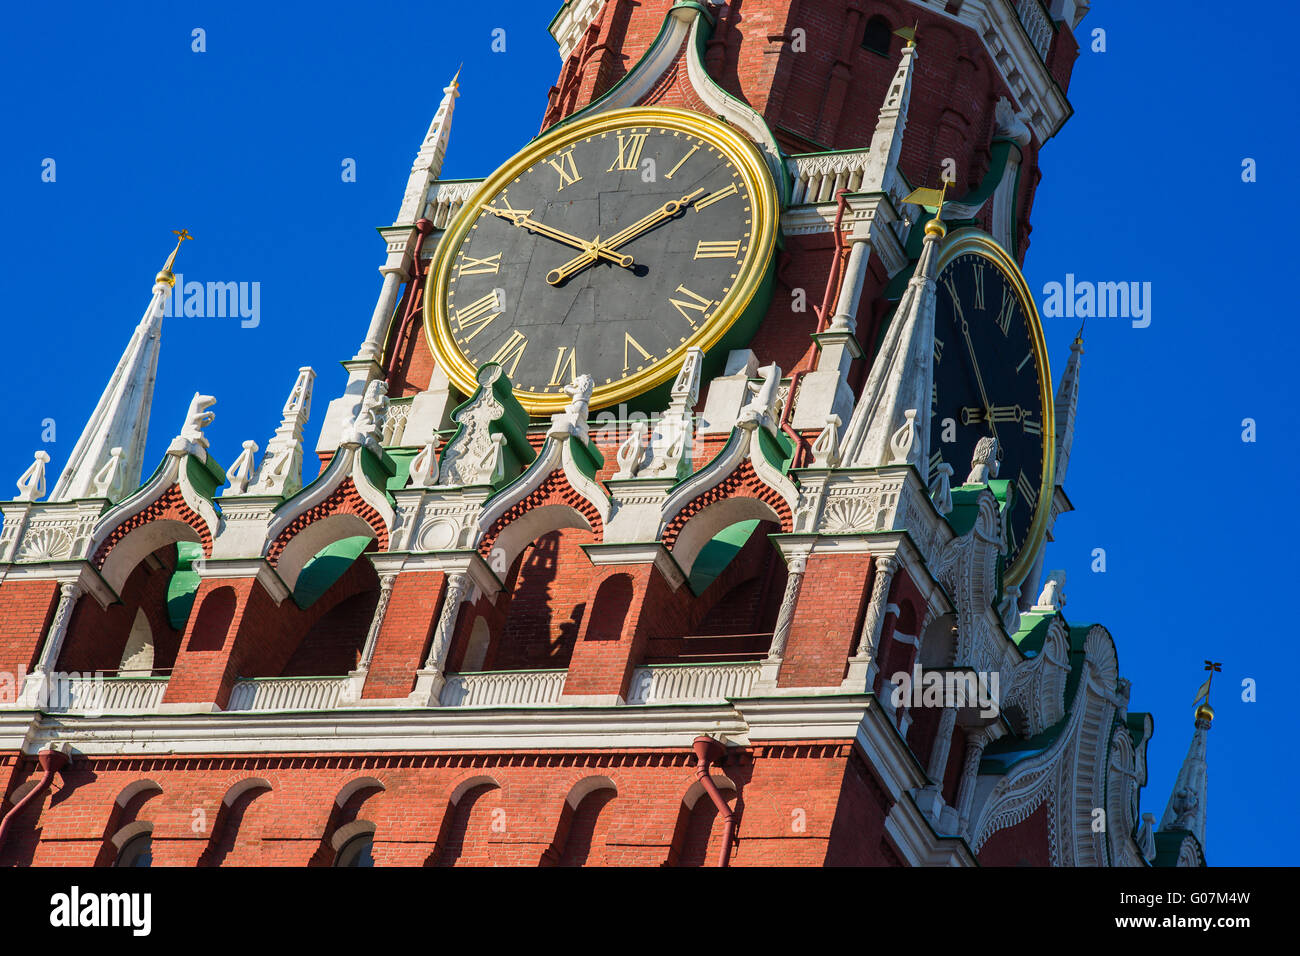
pixel 1033 428
pixel 935 461
pixel 478 314
pixel 1026 488
pixel 628 340
pixel 956 299
pixel 711 198
pixel 938 349
pixel 564 365
pixel 469 266
pixel 1005 312
pixel 564 165
pixel 1023 361
pixel 689 154
pixel 721 249
pixel 979 285
pixel 629 151
pixel 511 351
pixel 697 303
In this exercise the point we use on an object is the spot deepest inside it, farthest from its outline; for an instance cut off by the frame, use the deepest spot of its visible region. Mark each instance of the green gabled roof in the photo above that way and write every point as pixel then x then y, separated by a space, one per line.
pixel 206 476
pixel 1168 843
pixel 586 456
pixel 1033 632
pixel 1001 755
pixel 1137 727
pixel 965 504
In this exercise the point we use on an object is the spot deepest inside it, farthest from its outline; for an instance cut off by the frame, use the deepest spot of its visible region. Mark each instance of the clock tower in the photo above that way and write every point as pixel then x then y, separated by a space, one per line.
pixel 687 501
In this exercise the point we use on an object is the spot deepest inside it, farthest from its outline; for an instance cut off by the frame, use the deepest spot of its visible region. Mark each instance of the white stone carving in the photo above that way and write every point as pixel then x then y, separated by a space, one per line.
pixel 280 473
pixel 1052 597
pixel 368 426
pixel 191 440
pixel 31 484
pixel 573 420
pixel 424 468
pixel 826 449
pixel 761 409
pixel 243 470
pixel 904 442
pixel 108 480
pixel 985 462
pixel 632 453
pixel 941 489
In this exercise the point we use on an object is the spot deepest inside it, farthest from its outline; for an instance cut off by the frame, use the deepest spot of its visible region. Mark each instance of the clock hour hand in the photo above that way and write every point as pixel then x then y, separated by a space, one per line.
pixel 975 364
pixel 595 249
pixel 664 212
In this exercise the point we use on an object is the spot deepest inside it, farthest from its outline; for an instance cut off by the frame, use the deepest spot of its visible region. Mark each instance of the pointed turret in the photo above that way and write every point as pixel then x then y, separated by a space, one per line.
pixel 120 423
pixel 1067 407
pixel 901 377
pixel 887 140
pixel 1186 808
pixel 428 161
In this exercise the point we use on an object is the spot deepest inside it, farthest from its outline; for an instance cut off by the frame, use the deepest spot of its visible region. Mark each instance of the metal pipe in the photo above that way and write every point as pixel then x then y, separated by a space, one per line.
pixel 709 751
pixel 51 761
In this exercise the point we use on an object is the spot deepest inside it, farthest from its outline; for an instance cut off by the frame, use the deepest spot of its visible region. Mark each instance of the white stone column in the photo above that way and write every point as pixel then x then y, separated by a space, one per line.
pixel 862 666
pixel 430 679
pixel 36 684
pixel 930 799
pixel 771 666
pixel 394 275
pixel 976 740
pixel 855 274
pixel 357 678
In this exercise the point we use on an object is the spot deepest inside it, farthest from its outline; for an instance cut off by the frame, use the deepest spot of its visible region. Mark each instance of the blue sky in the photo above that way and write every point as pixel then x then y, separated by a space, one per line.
pixel 243 145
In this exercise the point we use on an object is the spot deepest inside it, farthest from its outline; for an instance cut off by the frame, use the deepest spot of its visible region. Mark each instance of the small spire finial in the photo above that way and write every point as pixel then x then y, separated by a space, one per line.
pixel 455 80
pixel 1078 338
pixel 925 196
pixel 908 33
pixel 166 274
pixel 1203 708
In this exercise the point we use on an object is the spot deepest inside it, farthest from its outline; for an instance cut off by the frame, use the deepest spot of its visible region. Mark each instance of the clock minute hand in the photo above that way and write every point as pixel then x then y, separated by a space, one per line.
pixel 975 364
pixel 666 211
pixel 595 249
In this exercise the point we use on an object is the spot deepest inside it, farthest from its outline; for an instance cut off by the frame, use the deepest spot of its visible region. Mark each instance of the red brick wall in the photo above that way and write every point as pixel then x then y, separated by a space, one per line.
pixel 1025 844
pixel 516 817
pixel 827 620
pixel 26 611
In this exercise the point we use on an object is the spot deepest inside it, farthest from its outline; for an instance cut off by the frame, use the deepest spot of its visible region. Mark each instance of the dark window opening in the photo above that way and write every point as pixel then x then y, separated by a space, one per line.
pixel 876 37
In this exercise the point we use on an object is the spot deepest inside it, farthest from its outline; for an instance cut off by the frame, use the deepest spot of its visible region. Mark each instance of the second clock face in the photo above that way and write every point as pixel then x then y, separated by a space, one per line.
pixel 606 254
pixel 991 380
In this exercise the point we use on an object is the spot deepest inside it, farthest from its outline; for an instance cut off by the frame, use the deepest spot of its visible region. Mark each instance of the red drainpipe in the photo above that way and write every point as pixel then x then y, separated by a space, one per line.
pixel 799 444
pixel 51 761
pixel 833 280
pixel 709 751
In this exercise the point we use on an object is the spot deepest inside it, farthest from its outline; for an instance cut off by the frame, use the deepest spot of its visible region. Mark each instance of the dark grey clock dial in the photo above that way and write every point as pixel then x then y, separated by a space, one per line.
pixel 602 257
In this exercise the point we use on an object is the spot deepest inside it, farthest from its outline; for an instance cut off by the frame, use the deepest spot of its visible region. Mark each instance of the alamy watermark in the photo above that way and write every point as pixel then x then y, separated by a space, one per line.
pixel 946 688
pixel 216 300
pixel 1074 299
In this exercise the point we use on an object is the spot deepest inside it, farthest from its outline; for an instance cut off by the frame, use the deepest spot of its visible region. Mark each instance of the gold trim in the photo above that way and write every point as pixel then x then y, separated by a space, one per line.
pixel 969 240
pixel 765 207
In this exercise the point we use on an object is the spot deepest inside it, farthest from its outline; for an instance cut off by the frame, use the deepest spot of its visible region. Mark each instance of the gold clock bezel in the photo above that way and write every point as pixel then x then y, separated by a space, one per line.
pixel 764 215
pixel 971 240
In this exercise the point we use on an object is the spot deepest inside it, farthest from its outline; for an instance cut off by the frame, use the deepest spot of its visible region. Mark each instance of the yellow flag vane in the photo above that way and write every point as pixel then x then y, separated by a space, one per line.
pixel 166 274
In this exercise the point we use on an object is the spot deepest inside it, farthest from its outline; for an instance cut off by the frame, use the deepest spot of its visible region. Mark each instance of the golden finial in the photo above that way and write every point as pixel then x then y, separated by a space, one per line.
pixel 925 196
pixel 455 80
pixel 1078 338
pixel 908 33
pixel 1203 709
pixel 166 274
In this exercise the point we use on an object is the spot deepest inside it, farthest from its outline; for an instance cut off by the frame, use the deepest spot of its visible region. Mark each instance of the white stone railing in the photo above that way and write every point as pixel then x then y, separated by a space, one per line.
pixel 89 694
pixel 502 688
pixel 286 693
pixel 817 177
pixel 1037 24
pixel 664 683
pixel 445 199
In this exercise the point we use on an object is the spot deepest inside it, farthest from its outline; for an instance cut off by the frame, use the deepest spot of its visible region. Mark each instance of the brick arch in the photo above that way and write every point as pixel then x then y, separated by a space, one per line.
pixel 555 490
pixel 345 500
pixel 741 483
pixel 169 507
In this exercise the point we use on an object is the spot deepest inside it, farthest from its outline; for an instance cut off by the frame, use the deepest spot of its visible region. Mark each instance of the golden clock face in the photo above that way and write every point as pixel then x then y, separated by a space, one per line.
pixel 607 247
pixel 992 380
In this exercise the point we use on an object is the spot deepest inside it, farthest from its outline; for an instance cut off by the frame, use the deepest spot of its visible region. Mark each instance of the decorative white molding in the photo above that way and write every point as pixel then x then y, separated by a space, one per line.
pixel 503 689
pixel 674 683
pixel 286 693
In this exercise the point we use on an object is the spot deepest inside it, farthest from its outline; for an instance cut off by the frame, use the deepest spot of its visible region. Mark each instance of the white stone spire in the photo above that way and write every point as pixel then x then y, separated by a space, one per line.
pixel 1067 407
pixel 281 469
pixel 881 167
pixel 1186 808
pixel 901 377
pixel 121 419
pixel 428 161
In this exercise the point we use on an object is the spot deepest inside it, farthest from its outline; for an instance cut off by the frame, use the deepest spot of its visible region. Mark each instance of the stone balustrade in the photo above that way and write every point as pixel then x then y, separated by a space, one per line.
pixel 503 688
pixel 667 683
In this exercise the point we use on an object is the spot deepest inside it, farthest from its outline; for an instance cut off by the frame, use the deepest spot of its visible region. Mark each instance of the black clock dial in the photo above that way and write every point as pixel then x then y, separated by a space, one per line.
pixel 988 382
pixel 603 257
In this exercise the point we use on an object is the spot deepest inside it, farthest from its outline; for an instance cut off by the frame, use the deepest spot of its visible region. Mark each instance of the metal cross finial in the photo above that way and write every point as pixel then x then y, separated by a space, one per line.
pixel 181 235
